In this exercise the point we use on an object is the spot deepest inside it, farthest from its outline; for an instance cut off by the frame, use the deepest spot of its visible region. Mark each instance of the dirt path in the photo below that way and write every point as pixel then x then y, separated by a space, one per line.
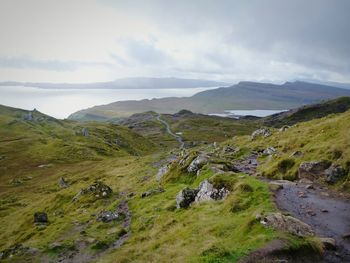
pixel 315 205
pixel 328 216
pixel 167 126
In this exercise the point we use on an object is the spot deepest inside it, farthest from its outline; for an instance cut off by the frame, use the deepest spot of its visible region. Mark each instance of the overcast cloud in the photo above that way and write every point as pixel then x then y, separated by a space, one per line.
pixel 87 41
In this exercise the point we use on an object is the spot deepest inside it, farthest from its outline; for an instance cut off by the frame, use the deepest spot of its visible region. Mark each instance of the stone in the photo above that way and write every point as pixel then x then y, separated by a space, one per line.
pixel 334 173
pixel 40 218
pixel 162 170
pixel 107 216
pixel 270 150
pixel 98 189
pixel 284 128
pixel 309 186
pixel 197 163
pixel 313 169
pixel 288 224
pixel 207 192
pixel 328 243
pixel 305 181
pixel 185 197
pixel 347 235
pixel 85 132
pixel 63 183
pixel 324 211
pixel 152 192
pixel 262 132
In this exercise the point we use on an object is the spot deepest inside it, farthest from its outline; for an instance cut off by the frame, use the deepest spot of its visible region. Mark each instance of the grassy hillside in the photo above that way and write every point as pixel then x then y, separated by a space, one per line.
pixel 37 152
pixel 326 138
pixel 244 96
pixel 308 112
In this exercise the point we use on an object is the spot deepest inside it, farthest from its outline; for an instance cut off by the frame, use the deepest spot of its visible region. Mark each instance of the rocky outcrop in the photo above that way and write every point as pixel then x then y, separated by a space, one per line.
pixel 269 151
pixel 107 216
pixel 40 218
pixel 197 163
pixel 185 197
pixel 313 169
pixel 207 192
pixel 152 192
pixel 287 224
pixel 284 128
pixel 334 173
pixel 262 132
pixel 85 132
pixel 97 189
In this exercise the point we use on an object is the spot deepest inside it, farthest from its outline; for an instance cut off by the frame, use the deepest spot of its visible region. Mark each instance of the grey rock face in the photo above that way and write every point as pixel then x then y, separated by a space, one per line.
pixel 334 173
pixel 107 216
pixel 287 224
pixel 197 163
pixel 207 192
pixel 313 168
pixel 185 197
pixel 262 132
pixel 40 218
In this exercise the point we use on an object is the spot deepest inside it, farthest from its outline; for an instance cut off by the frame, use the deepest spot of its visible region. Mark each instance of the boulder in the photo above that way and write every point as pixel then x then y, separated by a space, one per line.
pixel 207 192
pixel 152 192
pixel 185 197
pixel 284 128
pixel 287 224
pixel 313 169
pixel 262 132
pixel 334 173
pixel 40 218
pixel 97 189
pixel 107 216
pixel 85 132
pixel 63 183
pixel 270 150
pixel 197 163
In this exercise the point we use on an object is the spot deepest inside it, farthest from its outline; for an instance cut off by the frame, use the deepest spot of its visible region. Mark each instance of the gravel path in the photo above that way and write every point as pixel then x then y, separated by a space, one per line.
pixel 167 126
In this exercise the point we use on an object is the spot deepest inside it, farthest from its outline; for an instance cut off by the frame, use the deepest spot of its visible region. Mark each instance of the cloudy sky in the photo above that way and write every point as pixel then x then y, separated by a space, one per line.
pixel 88 41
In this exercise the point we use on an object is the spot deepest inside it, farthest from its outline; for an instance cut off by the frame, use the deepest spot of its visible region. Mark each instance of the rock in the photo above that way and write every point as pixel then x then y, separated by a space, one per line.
pixel 40 218
pixel 305 181
pixel 270 150
pixel 324 210
pixel 97 189
pixel 185 197
pixel 310 212
pixel 28 116
pixel 309 186
pixel 207 192
pixel 152 192
pixel 276 186
pixel 63 183
pixel 284 128
pixel 296 154
pixel 107 216
pixel 162 170
pixel 347 235
pixel 302 195
pixel 263 132
pixel 228 149
pixel 287 224
pixel 85 132
pixel 313 169
pixel 328 243
pixel 334 173
pixel 197 163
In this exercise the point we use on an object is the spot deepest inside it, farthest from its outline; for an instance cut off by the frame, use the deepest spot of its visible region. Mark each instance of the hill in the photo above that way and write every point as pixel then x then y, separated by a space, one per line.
pixel 308 112
pixel 244 95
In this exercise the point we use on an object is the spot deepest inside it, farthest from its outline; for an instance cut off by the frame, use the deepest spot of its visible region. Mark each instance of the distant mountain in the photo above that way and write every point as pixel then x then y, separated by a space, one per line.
pixel 126 83
pixel 242 96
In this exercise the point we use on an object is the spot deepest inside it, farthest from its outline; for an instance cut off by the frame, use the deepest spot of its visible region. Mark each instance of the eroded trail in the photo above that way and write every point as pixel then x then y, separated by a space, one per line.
pixel 168 130
pixel 328 216
pixel 326 212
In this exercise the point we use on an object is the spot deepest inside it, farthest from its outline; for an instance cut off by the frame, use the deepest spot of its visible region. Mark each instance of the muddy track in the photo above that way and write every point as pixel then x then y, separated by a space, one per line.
pixel 168 130
pixel 326 212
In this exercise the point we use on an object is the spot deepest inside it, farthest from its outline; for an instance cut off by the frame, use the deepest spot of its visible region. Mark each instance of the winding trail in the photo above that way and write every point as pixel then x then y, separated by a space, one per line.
pixel 167 126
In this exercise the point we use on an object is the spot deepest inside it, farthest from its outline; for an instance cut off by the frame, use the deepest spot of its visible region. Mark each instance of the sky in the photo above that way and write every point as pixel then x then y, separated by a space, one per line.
pixel 82 41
